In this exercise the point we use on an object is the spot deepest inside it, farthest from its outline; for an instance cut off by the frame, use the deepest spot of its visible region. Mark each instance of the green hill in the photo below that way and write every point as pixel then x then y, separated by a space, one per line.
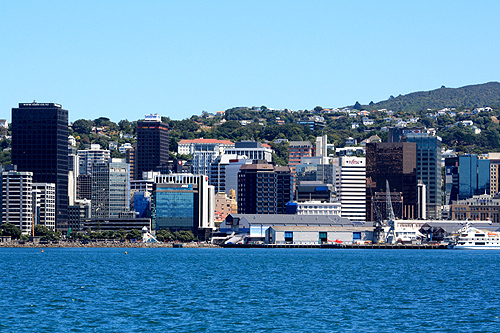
pixel 479 95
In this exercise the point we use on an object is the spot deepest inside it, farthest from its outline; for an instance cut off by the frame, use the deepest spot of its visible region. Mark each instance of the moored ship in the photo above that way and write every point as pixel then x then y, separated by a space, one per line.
pixel 471 238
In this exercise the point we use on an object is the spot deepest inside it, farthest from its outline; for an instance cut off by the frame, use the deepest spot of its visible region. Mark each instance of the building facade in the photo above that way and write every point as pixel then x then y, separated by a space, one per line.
pixel 352 188
pixel 251 150
pixel 264 189
pixel 428 165
pixel 183 202
pixel 395 163
pixel 90 156
pixel 44 204
pixel 466 176
pixel 298 150
pixel 17 199
pixel 40 145
pixel 152 144
pixel 110 188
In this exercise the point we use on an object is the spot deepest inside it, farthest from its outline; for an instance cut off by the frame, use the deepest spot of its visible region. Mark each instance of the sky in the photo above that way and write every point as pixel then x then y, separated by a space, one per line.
pixel 125 59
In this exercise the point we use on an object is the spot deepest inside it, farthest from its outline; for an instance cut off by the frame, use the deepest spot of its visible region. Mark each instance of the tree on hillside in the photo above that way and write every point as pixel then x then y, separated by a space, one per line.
pixel 82 126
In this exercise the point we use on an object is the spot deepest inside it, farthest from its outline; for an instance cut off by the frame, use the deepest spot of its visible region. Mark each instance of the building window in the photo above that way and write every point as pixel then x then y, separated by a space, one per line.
pixel 356 236
pixel 323 238
pixel 288 237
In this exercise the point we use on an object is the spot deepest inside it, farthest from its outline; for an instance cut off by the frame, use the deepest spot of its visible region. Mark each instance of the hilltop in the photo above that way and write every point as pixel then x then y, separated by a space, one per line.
pixel 479 95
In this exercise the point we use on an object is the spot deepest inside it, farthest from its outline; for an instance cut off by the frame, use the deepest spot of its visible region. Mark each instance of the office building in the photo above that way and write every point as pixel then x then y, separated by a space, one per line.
pixel 264 189
pixel 73 173
pixel 428 164
pixel 352 187
pixel 315 191
pixel 183 202
pixel 80 211
pixel 396 163
pixel 130 158
pixel 90 156
pixel 84 187
pixel 251 150
pixel 44 204
pixel 317 169
pixel 298 150
pixel 188 147
pixel 152 144
pixel 494 173
pixel 482 207
pixel 40 146
pixel 205 151
pixel 224 172
pixel 17 199
pixel 466 176
pixel 110 188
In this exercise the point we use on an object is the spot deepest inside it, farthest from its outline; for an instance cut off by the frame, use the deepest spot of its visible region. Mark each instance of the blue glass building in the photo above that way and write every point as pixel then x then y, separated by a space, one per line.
pixel 183 202
pixel 428 164
pixel 466 176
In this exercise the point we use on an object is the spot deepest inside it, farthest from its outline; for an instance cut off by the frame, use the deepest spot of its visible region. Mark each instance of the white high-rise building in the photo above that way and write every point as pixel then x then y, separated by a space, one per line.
pixel 353 188
pixel 17 191
pixel 93 155
pixel 73 173
pixel 321 146
pixel 44 204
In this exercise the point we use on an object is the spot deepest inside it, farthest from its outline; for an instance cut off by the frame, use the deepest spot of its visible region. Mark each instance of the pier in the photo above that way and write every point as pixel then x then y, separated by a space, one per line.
pixel 342 246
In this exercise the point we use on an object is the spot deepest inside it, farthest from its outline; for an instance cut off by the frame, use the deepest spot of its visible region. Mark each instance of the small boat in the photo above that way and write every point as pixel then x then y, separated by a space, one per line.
pixel 471 238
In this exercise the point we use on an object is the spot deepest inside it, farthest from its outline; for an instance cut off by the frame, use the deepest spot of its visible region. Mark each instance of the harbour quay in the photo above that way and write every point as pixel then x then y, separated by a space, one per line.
pixel 343 246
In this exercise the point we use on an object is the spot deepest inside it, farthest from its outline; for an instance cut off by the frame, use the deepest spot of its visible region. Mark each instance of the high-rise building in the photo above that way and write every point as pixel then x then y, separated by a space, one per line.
pixel 44 204
pixel 130 158
pixel 78 212
pixel 110 188
pixel 40 145
pixel 152 144
pixel 395 162
pixel 205 151
pixel 466 176
pixel 90 156
pixel 183 202
pixel 84 187
pixel 298 150
pixel 428 164
pixel 73 172
pixel 17 199
pixel 221 172
pixel 494 173
pixel 264 189
pixel 317 169
pixel 352 187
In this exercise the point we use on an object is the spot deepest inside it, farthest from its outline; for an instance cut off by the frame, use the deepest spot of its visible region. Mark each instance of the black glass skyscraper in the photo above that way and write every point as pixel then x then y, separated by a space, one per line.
pixel 152 146
pixel 394 162
pixel 40 145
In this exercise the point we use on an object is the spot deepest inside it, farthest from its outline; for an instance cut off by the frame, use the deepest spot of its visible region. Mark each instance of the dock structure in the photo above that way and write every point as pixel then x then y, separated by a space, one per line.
pixel 342 246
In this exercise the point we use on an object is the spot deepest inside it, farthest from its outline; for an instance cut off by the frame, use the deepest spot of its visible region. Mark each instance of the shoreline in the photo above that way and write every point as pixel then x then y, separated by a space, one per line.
pixel 103 245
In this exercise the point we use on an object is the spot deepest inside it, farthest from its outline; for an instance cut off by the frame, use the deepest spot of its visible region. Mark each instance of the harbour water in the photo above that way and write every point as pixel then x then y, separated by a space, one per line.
pixel 248 290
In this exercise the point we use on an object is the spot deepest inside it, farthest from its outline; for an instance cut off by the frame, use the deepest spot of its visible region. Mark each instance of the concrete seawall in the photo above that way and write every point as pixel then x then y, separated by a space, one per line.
pixel 342 246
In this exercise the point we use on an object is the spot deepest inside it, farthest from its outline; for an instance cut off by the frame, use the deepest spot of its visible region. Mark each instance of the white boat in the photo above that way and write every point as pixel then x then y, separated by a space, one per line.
pixel 471 238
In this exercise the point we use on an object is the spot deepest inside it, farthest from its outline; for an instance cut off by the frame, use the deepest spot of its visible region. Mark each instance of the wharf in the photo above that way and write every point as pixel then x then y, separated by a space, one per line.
pixel 341 246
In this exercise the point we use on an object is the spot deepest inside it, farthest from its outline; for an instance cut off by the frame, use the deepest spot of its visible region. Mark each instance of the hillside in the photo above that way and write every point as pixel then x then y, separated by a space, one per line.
pixel 479 95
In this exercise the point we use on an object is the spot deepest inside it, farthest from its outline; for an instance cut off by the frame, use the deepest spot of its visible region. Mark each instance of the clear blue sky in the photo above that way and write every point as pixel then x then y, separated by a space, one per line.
pixel 125 59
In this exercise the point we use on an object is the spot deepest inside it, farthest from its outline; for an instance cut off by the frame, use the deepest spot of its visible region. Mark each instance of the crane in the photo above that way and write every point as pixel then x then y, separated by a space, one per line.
pixel 391 219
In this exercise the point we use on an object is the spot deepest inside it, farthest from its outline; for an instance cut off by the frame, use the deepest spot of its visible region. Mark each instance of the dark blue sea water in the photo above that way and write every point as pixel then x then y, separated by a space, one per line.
pixel 248 290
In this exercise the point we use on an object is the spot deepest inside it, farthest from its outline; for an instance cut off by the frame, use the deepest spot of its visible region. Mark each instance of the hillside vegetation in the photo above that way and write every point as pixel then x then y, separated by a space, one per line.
pixel 479 95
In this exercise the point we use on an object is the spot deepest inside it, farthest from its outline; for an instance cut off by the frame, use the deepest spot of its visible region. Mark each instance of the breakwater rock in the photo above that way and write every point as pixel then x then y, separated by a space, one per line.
pixel 90 244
